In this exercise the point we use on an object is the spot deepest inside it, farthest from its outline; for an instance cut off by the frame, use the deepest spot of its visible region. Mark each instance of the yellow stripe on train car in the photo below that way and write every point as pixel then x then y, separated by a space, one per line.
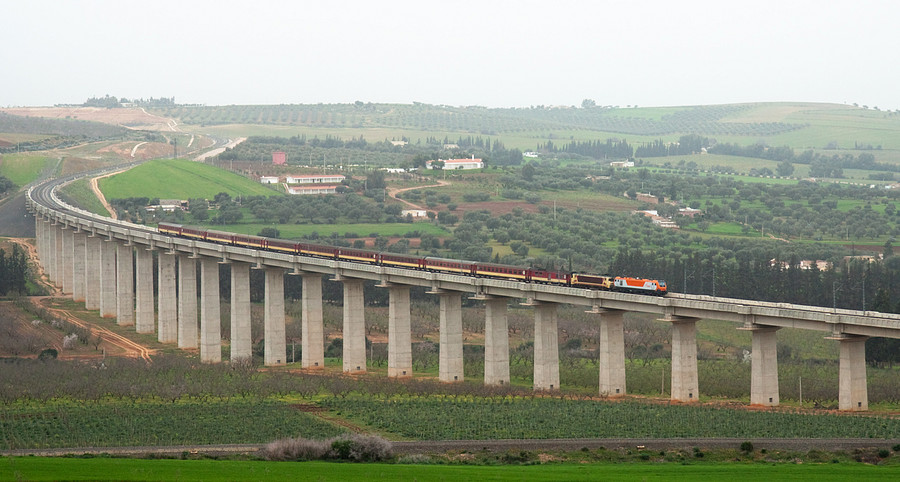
pixel 395 263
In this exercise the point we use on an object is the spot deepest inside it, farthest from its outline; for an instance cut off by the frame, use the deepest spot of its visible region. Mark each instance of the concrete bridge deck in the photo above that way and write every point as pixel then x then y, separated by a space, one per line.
pixel 91 257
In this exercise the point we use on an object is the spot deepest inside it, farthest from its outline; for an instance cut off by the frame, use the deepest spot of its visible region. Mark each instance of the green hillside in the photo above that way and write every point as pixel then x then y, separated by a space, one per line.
pixel 817 126
pixel 179 179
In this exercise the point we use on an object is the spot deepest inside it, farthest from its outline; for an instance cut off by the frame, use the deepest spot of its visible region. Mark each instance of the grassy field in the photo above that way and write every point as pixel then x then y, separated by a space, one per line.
pixel 113 424
pixel 519 418
pixel 24 168
pixel 179 179
pixel 80 194
pixel 37 468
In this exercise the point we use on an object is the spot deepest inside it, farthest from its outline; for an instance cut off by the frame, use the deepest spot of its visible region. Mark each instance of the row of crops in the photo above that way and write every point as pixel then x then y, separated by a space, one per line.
pixel 543 418
pixel 119 423
pixel 700 120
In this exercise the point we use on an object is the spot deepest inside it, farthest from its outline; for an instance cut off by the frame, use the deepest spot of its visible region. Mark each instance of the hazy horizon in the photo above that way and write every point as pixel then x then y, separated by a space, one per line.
pixel 498 54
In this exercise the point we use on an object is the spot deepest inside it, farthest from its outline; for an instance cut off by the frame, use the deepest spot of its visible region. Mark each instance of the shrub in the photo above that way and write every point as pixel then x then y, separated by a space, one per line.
pixel 296 449
pixel 356 448
pixel 361 448
pixel 415 459
pixel 747 446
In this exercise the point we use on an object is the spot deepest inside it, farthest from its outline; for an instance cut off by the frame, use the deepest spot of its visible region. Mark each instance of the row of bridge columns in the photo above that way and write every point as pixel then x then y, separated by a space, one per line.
pixel 116 278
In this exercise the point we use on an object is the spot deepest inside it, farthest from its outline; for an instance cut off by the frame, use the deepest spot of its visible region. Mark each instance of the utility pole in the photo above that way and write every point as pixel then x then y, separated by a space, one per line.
pixel 834 295
pixel 864 290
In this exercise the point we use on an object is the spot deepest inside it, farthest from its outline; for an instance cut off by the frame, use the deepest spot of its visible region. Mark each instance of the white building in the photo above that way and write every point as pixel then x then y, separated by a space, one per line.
pixel 621 164
pixel 307 190
pixel 416 213
pixel 315 179
pixel 451 164
pixel 268 179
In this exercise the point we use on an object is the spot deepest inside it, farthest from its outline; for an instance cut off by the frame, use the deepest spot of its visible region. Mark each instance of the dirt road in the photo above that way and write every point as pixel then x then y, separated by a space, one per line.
pixel 444 446
pixel 392 193
pixel 95 187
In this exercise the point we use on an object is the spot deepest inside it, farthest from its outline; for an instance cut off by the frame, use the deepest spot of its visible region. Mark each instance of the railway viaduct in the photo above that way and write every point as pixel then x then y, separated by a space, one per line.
pixel 108 264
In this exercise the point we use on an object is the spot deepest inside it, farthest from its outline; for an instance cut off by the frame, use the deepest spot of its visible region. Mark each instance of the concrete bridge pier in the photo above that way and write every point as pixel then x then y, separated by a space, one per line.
pixel 108 279
pixel 764 365
pixel 241 338
pixel 68 254
pixel 59 256
pixel 276 343
pixel 144 316
pixel 49 242
pixel 42 240
pixel 52 252
pixel 78 242
pixel 354 326
pixel 612 352
pixel 167 309
pixel 853 392
pixel 210 322
pixel 92 253
pixel 124 284
pixel 187 301
pixel 450 356
pixel 496 341
pixel 684 358
pixel 546 346
pixel 399 332
pixel 312 329
pixel 39 238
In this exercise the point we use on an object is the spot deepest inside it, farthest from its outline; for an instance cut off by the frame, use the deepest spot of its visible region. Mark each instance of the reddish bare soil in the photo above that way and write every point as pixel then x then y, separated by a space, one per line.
pixel 24 337
pixel 128 117
pixel 144 151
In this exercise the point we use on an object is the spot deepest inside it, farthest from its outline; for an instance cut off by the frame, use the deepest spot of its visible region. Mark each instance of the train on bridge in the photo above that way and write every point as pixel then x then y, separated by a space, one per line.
pixel 427 263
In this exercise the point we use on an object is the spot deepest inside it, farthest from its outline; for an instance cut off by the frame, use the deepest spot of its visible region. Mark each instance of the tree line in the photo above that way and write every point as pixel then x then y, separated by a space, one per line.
pixel 13 271
pixel 357 150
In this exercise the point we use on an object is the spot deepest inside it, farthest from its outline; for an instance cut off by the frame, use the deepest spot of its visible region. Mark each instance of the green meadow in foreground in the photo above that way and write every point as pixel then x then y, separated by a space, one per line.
pixel 37 468
pixel 179 179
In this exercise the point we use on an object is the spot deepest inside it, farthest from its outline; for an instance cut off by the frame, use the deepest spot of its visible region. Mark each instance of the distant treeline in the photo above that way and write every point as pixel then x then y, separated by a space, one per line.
pixel 111 102
pixel 300 148
pixel 608 149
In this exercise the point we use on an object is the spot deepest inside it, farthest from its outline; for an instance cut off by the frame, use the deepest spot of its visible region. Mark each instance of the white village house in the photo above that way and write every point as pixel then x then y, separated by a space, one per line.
pixel 451 164
pixel 307 190
pixel 315 179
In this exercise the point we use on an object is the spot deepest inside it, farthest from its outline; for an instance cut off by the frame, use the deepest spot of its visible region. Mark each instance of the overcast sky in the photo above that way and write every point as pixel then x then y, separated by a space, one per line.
pixel 491 53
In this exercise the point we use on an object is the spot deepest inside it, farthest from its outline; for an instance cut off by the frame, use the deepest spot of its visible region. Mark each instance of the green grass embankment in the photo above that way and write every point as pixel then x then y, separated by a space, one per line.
pixel 179 179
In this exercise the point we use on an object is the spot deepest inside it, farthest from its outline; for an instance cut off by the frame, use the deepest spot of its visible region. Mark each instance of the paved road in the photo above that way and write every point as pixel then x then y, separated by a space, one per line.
pixel 400 448
pixel 14 219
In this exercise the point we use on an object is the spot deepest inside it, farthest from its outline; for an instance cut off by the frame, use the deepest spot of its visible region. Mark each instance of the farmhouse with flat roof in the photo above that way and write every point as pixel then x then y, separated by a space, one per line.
pixel 451 164
pixel 306 190
pixel 315 179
